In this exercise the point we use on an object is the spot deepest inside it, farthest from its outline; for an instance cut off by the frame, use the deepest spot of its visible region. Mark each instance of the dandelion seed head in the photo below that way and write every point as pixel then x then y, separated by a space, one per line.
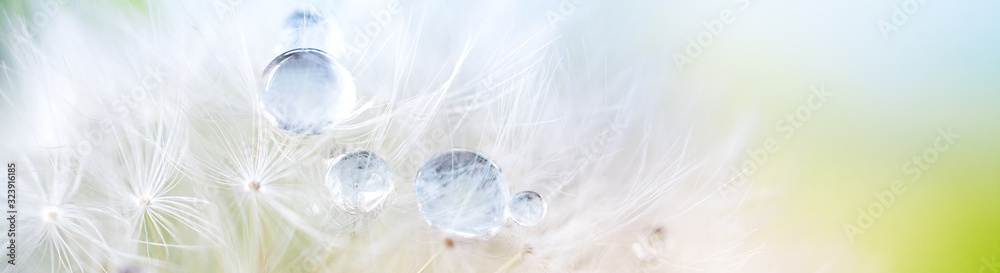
pixel 522 100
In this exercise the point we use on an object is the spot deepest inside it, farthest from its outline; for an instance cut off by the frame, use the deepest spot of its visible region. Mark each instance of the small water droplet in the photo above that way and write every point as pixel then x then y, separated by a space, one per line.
pixel 309 28
pixel 462 193
pixel 306 91
pixel 527 208
pixel 360 181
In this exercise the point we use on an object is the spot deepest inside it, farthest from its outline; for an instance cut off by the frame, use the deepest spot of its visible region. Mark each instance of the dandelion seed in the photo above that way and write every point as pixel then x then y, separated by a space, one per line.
pixel 448 244
pixel 514 260
pixel 59 234
pixel 253 185
pixel 652 247
pixel 50 214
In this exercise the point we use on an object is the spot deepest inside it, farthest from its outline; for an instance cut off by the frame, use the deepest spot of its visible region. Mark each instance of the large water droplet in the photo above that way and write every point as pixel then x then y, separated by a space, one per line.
pixel 527 208
pixel 306 91
pixel 360 181
pixel 462 193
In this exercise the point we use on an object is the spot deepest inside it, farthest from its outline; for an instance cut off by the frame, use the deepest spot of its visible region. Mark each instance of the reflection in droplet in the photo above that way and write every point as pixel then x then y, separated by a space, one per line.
pixel 527 208
pixel 309 28
pixel 462 193
pixel 360 181
pixel 306 91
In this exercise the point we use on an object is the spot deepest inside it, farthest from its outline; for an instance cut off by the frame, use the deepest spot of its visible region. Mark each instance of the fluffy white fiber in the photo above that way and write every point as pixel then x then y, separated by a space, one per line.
pixel 141 147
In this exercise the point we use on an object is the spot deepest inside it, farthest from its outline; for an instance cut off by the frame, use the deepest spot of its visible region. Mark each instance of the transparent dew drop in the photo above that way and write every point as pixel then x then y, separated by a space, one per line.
pixel 305 91
pixel 462 193
pixel 360 181
pixel 309 28
pixel 527 208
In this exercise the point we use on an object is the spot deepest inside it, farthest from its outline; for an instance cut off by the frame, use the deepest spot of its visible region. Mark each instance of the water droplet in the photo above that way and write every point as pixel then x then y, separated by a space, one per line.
pixel 527 208
pixel 309 28
pixel 462 193
pixel 306 91
pixel 360 181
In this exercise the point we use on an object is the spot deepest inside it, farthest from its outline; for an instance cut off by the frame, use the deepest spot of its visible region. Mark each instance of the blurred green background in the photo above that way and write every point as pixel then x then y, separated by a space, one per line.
pixel 939 69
